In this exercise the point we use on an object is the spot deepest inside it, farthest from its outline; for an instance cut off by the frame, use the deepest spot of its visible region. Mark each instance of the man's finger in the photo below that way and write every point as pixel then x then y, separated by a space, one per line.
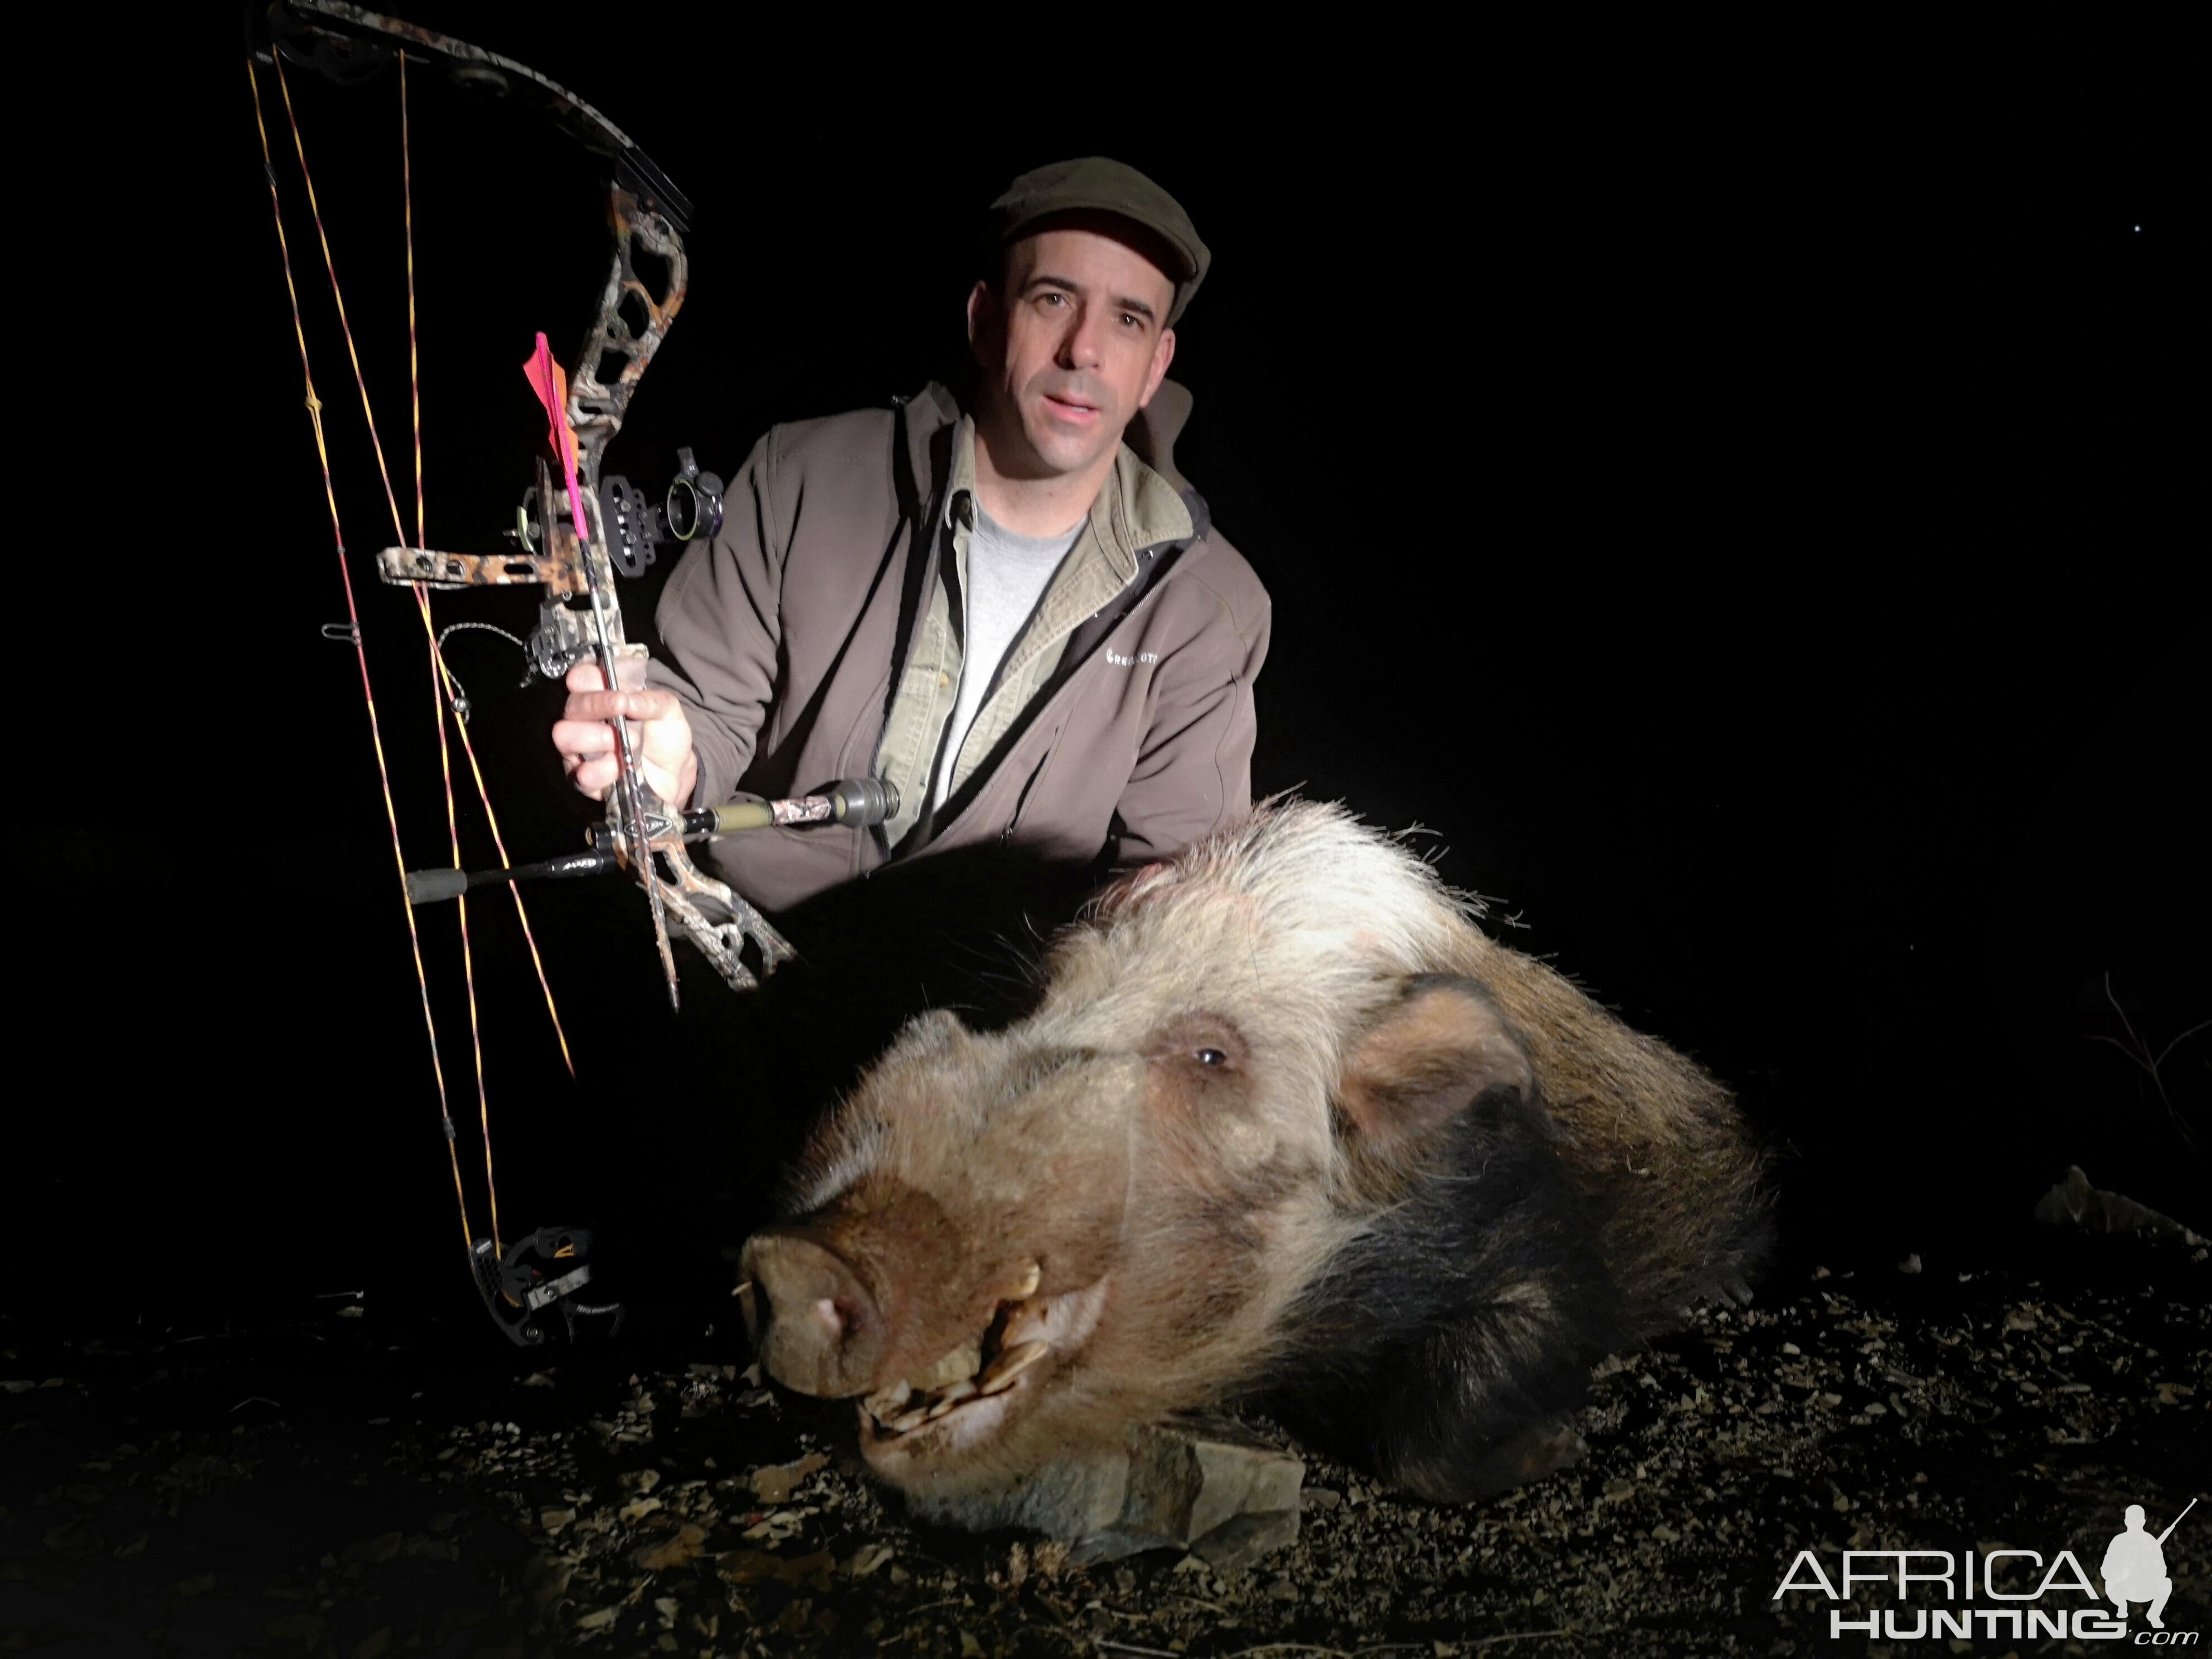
pixel 586 677
pixel 597 705
pixel 583 738
pixel 596 775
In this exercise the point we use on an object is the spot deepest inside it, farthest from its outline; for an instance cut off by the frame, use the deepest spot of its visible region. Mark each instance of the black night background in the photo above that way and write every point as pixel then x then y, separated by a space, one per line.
pixel 1750 531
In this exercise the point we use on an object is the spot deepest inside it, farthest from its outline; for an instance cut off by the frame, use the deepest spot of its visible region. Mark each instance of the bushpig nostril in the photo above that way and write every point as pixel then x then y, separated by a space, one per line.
pixel 820 1333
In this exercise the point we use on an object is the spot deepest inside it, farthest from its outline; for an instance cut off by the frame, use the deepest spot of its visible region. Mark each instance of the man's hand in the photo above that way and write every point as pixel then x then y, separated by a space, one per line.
pixel 661 734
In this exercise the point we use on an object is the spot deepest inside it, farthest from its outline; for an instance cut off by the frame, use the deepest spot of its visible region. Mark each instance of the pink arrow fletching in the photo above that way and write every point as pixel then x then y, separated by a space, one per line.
pixel 551 386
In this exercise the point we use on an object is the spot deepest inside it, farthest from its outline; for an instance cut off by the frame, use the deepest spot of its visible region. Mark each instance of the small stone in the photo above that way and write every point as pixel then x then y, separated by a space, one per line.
pixel 672 1551
pixel 776 1483
pixel 870 1557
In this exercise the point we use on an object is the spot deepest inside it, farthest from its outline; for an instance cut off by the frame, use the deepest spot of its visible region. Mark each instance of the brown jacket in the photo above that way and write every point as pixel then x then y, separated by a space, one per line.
pixel 782 637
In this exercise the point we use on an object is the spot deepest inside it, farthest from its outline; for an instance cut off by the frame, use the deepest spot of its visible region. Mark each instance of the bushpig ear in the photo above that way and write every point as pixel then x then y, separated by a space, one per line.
pixel 1440 1049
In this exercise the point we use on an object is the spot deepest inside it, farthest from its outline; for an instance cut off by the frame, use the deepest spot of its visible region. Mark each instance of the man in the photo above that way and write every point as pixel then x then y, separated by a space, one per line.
pixel 1022 623
pixel 2134 1568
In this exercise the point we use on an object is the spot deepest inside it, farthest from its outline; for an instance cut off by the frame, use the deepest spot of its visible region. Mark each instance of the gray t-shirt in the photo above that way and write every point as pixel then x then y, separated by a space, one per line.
pixel 1007 574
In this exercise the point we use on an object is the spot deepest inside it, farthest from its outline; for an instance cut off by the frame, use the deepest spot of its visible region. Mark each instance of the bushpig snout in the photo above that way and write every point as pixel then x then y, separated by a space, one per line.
pixel 968 1180
pixel 818 1330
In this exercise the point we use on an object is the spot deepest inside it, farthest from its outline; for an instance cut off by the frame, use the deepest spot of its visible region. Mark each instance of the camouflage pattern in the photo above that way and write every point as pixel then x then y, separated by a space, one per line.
pixel 645 212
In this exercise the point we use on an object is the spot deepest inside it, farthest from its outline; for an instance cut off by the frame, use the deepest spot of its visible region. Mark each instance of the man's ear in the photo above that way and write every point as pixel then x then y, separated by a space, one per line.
pixel 984 322
pixel 1162 354
pixel 1430 1058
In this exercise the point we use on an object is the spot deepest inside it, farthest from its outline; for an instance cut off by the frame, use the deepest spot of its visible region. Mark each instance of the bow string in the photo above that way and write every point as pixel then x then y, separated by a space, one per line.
pixel 564 533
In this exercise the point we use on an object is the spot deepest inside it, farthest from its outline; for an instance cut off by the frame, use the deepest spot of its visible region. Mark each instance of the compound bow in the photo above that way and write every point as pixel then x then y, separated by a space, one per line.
pixel 574 531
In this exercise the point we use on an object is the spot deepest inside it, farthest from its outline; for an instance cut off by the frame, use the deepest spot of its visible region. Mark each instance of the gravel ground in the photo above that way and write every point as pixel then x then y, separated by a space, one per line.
pixel 346 1483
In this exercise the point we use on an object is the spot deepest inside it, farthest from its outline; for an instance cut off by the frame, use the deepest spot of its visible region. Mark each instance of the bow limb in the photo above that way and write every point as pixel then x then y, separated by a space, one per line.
pixel 579 615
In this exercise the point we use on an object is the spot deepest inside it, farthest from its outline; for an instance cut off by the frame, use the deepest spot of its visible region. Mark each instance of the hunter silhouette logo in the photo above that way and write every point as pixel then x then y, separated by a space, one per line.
pixel 2134 1565
pixel 2134 1570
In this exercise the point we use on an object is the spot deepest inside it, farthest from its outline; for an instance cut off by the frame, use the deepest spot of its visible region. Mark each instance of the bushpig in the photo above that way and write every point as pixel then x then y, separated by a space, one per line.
pixel 1284 1122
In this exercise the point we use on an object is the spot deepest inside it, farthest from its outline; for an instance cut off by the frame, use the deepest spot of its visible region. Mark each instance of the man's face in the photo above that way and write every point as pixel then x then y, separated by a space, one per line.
pixel 1074 345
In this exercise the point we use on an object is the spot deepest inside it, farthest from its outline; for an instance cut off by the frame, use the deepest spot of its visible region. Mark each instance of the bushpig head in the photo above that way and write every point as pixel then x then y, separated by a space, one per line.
pixel 1277 1110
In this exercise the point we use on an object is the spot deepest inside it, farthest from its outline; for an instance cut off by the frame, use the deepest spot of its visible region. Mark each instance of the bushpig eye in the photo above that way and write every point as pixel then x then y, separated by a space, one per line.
pixel 1202 1039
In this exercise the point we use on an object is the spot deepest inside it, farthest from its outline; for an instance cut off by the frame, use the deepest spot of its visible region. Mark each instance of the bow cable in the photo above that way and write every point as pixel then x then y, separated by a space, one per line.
pixel 353 617
pixel 438 692
pixel 444 688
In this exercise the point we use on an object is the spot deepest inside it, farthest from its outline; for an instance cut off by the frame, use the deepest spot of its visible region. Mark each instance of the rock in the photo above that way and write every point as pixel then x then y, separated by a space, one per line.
pixel 2074 1200
pixel 1238 1542
pixel 672 1551
pixel 1215 1490
pixel 776 1483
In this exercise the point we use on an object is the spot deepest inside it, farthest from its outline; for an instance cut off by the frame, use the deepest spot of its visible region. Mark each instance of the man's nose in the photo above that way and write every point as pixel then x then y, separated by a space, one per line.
pixel 1079 344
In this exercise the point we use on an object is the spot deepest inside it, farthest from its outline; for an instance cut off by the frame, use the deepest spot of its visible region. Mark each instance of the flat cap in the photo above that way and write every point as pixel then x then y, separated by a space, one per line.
pixel 1072 190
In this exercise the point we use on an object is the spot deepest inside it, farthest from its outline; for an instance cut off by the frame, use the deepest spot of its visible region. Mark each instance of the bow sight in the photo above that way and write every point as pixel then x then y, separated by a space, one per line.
pixel 690 511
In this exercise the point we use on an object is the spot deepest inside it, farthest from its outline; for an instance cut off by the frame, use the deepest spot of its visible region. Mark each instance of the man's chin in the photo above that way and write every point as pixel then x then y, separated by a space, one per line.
pixel 1070 445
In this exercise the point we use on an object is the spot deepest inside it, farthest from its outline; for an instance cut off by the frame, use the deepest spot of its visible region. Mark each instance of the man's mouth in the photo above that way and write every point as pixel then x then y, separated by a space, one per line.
pixel 1071 408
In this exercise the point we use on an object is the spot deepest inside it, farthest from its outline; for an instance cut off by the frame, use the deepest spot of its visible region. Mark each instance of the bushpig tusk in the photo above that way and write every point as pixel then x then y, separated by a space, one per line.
pixel 1030 1281
pixel 1010 1365
pixel 881 1406
pixel 951 1397
pixel 906 1421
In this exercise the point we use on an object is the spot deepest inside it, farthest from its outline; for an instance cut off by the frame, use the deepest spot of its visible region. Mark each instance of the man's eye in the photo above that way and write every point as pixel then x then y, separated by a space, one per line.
pixel 1130 319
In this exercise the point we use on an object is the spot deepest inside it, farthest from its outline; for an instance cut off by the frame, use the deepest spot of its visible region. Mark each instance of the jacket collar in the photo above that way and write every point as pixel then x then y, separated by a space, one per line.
pixel 1136 508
